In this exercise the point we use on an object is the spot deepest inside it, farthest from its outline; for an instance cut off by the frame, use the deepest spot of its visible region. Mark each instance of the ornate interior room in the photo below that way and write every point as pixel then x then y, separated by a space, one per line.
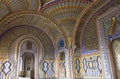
pixel 59 39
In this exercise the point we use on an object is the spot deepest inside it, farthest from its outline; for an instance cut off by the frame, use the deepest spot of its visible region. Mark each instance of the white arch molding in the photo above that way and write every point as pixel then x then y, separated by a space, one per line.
pixel 39 55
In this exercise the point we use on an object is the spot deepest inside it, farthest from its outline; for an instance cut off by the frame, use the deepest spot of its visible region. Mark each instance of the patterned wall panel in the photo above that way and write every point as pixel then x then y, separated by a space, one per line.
pixel 90 40
pixel 89 66
pixel 92 66
pixel 5 69
pixel 48 67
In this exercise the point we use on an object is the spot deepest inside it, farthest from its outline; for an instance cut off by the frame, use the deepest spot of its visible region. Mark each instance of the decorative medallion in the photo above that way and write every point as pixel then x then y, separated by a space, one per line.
pixel 85 64
pixel 78 65
pixel 45 66
pixel 6 67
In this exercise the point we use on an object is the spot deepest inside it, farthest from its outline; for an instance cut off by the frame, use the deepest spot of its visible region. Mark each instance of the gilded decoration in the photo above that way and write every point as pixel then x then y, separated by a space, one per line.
pixel 64 39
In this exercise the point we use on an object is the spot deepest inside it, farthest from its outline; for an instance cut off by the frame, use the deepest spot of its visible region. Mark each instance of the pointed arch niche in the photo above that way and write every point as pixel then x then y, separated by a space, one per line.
pixel 29 52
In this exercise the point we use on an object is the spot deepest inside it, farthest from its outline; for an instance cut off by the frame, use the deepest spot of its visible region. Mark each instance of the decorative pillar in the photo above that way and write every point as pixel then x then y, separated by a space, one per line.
pixel 107 69
pixel 71 58
pixel 56 65
pixel 67 63
pixel 67 60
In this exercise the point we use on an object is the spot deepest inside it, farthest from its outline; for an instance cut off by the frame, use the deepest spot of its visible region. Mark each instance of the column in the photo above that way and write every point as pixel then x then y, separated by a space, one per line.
pixel 67 60
pixel 107 69
pixel 56 65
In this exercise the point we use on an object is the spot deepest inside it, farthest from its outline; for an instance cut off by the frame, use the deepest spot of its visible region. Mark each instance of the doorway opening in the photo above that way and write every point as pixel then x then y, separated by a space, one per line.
pixel 28 49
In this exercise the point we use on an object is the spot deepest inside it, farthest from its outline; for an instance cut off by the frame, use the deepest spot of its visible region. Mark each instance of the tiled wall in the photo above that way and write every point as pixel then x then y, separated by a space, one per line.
pixel 88 67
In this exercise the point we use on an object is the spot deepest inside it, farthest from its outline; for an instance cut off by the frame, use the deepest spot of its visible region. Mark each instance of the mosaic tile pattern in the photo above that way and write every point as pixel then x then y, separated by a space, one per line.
pixel 48 68
pixel 90 67
pixel 90 40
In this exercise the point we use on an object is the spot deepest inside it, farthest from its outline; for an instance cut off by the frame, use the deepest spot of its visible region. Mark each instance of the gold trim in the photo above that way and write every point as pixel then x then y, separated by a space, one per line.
pixel 112 29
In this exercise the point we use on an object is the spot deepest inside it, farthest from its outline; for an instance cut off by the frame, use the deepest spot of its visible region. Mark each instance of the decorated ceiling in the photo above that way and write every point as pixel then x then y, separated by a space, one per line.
pixel 73 27
pixel 68 19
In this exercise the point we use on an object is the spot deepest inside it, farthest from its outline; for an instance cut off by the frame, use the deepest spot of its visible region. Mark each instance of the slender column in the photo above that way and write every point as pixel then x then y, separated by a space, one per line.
pixel 56 65
pixel 72 61
pixel 67 60
pixel 71 57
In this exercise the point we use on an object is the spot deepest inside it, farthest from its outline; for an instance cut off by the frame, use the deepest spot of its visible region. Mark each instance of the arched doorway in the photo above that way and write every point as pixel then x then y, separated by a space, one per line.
pixel 28 49
pixel 116 53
